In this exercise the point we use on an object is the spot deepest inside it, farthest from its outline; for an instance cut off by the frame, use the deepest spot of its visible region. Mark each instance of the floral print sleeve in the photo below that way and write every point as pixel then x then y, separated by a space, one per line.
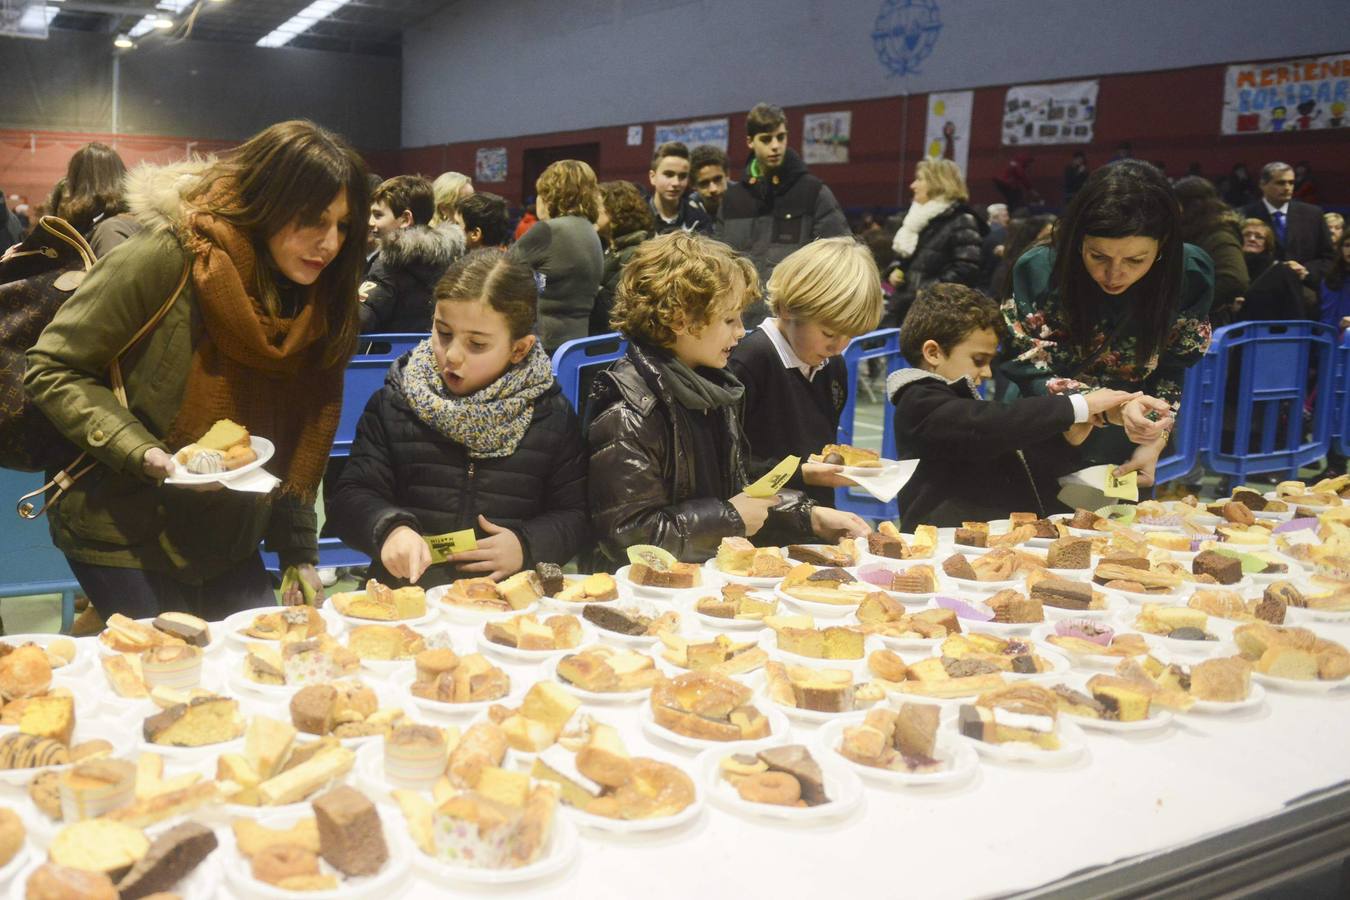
pixel 1189 338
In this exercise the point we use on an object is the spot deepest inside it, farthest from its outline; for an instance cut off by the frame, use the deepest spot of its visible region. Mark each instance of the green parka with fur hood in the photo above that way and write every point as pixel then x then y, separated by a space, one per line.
pixel 116 515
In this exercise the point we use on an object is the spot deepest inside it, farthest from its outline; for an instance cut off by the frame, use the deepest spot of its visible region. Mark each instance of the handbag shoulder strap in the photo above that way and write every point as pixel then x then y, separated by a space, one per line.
pixel 62 231
pixel 65 479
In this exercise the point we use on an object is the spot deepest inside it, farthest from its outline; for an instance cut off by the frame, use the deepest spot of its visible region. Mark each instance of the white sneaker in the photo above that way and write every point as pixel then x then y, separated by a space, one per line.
pixel 328 576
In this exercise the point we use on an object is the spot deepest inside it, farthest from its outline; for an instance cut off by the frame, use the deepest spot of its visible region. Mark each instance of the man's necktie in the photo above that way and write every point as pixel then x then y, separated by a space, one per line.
pixel 1278 218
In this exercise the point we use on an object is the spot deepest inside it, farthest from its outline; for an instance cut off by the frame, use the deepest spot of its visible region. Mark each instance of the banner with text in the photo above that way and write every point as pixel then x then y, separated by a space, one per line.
pixel 947 135
pixel 705 131
pixel 1293 95
pixel 1062 113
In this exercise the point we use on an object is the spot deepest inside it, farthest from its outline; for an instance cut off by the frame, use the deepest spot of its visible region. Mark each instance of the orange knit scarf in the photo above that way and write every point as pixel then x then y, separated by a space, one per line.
pixel 264 372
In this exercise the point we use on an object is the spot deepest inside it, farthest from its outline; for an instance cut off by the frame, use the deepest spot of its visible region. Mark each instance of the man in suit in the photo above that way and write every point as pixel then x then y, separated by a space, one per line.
pixel 1301 234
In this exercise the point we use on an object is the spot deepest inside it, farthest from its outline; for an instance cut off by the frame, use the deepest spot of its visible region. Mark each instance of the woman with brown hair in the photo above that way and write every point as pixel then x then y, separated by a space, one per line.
pixel 255 246
pixel 93 197
pixel 1208 223
pixel 630 222
pixel 564 251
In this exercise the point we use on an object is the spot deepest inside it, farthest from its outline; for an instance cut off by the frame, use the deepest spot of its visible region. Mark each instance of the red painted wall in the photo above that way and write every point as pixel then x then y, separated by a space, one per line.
pixel 1170 116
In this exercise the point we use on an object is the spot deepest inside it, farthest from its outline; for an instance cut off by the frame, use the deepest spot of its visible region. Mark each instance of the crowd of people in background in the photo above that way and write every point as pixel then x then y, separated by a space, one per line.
pixel 737 287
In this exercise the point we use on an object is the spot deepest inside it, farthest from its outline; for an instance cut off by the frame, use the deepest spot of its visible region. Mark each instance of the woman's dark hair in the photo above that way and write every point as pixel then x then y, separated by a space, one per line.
pixel 1339 271
pixel 1130 198
pixel 95 186
pixel 291 172
pixel 1022 236
pixel 1202 212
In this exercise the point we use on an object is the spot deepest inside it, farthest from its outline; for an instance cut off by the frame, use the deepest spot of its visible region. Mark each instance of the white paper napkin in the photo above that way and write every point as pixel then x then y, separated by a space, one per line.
pixel 258 481
pixel 883 483
pixel 1083 489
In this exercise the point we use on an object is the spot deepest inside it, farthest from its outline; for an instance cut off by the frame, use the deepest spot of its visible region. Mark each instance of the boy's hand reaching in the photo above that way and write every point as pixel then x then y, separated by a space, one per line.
pixel 405 554
pixel 833 524
pixel 1102 401
pixel 753 510
pixel 499 554
pixel 824 475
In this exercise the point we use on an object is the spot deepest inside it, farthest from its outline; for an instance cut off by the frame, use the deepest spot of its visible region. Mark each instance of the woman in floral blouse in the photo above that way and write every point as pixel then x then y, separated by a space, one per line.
pixel 1115 300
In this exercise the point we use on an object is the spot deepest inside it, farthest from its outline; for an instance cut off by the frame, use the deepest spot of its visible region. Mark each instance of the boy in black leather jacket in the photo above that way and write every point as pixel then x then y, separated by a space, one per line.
pixel 668 454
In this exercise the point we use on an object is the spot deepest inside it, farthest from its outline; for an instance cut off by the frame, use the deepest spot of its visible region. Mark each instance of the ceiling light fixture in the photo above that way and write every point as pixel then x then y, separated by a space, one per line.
pixel 151 22
pixel 123 42
pixel 301 22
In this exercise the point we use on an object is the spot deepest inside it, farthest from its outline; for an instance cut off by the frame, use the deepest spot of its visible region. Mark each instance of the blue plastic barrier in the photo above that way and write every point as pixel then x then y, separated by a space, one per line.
pixel 1277 363
pixel 1189 436
pixel 29 564
pixel 573 358
pixel 884 344
pixel 1340 435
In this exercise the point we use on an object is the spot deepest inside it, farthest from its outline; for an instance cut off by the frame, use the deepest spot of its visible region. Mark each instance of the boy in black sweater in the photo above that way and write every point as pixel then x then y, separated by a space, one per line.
pixel 822 296
pixel 978 460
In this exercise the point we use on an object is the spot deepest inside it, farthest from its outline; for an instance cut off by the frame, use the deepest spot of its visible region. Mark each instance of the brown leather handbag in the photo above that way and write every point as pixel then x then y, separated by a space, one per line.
pixel 36 278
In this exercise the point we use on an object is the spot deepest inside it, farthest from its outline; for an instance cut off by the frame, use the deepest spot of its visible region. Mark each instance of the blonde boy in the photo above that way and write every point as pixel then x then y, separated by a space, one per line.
pixel 668 456
pixel 822 296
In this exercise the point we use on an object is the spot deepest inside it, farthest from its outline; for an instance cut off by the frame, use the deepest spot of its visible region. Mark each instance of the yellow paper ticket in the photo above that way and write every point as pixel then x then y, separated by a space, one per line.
pixel 778 476
pixel 443 546
pixel 1125 487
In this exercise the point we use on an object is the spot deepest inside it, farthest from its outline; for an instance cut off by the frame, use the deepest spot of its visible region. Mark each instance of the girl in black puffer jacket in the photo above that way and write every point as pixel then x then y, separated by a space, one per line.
pixel 470 431
pixel 940 239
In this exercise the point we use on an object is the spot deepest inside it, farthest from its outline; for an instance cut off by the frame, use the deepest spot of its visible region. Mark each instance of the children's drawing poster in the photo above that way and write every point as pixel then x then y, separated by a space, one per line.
pixel 490 164
pixel 1059 113
pixel 1292 95
pixel 825 137
pixel 947 134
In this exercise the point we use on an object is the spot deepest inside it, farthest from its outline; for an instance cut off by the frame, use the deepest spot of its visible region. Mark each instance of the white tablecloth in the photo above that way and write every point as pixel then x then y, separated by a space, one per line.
pixel 1011 827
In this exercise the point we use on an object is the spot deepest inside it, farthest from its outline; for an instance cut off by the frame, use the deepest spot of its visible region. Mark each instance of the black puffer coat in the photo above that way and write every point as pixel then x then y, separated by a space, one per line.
pixel 404 472
pixel 949 251
pixel 643 471
pixel 397 293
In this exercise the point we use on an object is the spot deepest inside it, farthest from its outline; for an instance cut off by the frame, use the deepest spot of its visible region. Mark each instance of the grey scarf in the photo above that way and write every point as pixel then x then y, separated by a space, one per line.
pixel 700 391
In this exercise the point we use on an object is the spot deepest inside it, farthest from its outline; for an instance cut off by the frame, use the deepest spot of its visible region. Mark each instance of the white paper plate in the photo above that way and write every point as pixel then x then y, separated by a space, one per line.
pixel 1305 616
pixel 237 681
pixel 690 612
pixel 1297 686
pixel 1255 697
pixel 1059 664
pixel 768 639
pixel 817 609
pixel 1002 629
pixel 713 576
pixel 779 731
pixel 1114 607
pixel 216 642
pixel 511 654
pixel 959 759
pixel 811 716
pixel 549 671
pixel 1176 598
pixel 1105 661
pixel 468 615
pixel 922 645
pixel 1157 719
pixel 842 786
pixel 1072 745
pixel 114 731
pixel 641 826
pixel 187 754
pixel 260 445
pixel 239 874
pixel 203 881
pixel 985 587
pixel 401 685
pixel 659 593
pixel 233 626
pixel 84 651
pixel 818 546
pixel 432 613
pixel 919 599
pixel 562 848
